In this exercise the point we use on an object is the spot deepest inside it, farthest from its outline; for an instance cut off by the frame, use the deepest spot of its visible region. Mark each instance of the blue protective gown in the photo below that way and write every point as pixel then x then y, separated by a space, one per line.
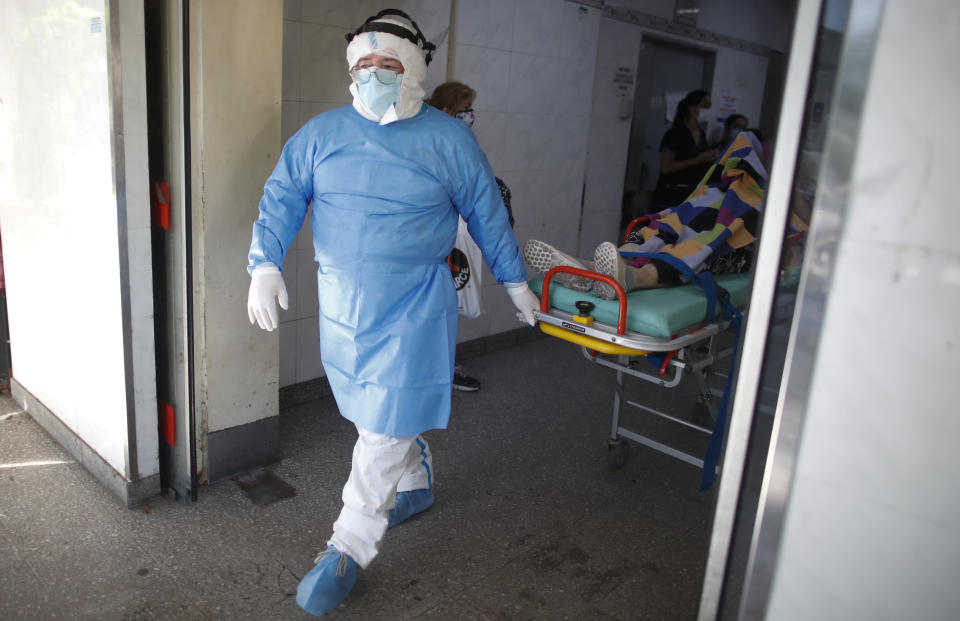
pixel 385 204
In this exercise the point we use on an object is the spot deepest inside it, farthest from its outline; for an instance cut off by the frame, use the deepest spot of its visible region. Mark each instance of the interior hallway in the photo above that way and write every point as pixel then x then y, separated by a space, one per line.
pixel 530 523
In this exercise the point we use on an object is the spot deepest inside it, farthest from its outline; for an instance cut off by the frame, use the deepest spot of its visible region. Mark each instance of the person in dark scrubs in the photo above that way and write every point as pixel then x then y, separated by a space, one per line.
pixel 684 154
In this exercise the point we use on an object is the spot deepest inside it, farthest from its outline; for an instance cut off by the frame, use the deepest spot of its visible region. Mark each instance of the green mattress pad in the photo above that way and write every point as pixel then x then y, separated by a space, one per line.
pixel 661 312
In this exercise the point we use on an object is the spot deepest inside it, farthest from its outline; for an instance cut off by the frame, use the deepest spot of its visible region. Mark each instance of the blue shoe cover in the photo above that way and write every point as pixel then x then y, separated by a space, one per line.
pixel 409 504
pixel 328 583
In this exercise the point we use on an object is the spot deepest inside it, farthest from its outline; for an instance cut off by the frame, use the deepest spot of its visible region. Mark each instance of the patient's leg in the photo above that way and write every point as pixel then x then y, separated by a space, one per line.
pixel 645 276
pixel 607 260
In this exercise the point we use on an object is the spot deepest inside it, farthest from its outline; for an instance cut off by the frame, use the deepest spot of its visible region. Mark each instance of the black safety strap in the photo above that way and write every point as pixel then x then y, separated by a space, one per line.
pixel 372 25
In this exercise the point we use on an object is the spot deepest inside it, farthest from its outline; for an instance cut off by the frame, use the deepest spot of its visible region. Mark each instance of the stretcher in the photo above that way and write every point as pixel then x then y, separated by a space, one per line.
pixel 676 327
pixel 663 326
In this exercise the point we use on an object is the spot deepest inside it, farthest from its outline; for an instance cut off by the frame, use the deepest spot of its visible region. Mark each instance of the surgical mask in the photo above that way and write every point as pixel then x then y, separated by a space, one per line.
pixel 467 116
pixel 377 88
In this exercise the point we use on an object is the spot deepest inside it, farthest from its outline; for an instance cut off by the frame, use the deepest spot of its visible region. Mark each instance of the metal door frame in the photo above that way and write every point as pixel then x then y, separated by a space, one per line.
pixel 180 464
pixel 767 262
pixel 818 266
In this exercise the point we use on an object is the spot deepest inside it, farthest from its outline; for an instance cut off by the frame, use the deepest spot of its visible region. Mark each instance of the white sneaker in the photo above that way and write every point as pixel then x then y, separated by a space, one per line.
pixel 606 260
pixel 543 257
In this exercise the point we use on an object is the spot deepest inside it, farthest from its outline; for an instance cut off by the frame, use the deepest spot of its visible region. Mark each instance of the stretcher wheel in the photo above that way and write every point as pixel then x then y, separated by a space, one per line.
pixel 618 451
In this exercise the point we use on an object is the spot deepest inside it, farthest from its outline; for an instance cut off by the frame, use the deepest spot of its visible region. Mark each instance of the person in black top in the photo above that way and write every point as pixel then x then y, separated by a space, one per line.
pixel 684 153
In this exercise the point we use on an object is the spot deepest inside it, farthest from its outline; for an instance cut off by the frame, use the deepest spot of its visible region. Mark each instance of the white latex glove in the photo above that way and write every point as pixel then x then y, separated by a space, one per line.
pixel 525 301
pixel 266 287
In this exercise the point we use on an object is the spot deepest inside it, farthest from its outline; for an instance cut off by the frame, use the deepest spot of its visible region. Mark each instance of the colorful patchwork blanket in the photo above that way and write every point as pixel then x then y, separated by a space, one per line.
pixel 720 215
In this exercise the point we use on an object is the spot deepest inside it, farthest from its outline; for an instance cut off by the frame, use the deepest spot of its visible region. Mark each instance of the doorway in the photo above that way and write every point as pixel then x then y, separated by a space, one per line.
pixel 665 69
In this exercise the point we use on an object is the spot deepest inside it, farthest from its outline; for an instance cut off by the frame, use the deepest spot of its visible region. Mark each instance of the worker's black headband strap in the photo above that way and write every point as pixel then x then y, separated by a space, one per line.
pixel 372 25
pixel 388 28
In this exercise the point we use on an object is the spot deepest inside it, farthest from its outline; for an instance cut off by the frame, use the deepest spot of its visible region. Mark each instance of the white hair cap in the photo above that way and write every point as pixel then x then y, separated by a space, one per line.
pixel 410 99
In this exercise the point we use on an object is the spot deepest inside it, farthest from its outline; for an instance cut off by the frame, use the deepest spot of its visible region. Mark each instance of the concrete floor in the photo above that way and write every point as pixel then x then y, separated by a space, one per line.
pixel 530 523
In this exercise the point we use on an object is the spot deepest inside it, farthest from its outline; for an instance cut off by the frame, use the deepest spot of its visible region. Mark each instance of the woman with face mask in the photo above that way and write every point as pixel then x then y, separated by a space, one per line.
pixel 684 153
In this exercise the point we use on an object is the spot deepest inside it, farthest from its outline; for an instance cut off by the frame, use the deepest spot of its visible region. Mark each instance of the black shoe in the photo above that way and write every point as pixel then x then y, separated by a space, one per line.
pixel 464 382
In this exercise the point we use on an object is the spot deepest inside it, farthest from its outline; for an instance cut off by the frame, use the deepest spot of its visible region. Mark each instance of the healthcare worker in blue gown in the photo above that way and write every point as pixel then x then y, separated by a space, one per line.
pixel 388 177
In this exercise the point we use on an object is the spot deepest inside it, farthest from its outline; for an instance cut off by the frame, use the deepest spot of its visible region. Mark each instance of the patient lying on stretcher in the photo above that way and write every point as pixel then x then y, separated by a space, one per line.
pixel 631 273
pixel 714 229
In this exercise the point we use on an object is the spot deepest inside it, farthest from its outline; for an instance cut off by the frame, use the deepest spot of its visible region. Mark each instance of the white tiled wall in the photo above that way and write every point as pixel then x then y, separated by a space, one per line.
pixel 741 73
pixel 532 64
pixel 546 116
pixel 766 23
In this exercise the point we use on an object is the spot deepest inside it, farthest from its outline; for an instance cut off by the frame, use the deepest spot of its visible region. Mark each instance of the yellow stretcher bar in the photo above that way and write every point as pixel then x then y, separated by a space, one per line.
pixel 604 347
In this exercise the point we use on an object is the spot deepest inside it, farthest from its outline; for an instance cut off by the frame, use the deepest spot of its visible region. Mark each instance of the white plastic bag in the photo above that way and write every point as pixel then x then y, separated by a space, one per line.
pixel 466 265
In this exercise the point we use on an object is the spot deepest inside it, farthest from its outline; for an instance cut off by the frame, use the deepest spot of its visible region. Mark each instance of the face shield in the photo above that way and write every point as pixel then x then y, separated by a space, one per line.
pixel 392 34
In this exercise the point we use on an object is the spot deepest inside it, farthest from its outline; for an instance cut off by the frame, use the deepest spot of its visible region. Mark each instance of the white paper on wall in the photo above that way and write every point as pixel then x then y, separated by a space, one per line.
pixel 726 102
pixel 623 81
